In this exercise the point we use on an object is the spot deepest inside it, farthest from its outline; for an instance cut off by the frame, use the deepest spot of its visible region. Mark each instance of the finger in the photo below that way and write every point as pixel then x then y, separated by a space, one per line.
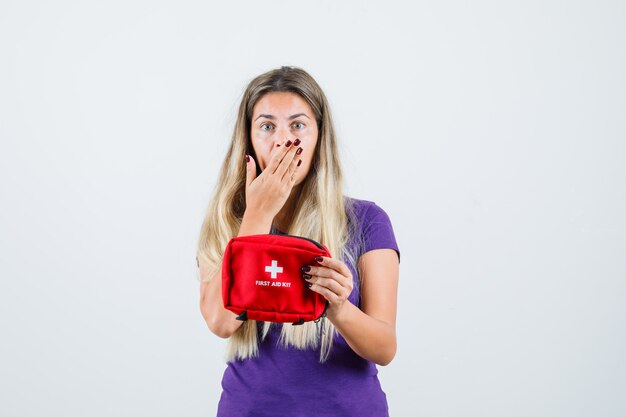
pixel 335 264
pixel 329 283
pixel 287 160
pixel 329 295
pixel 328 273
pixel 278 156
pixel 290 175
pixel 250 170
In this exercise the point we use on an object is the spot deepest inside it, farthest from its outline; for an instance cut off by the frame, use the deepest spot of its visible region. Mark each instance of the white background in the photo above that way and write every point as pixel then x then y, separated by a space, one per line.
pixel 493 134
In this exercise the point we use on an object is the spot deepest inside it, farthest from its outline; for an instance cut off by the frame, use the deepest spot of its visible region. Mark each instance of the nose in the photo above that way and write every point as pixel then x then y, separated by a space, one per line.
pixel 281 135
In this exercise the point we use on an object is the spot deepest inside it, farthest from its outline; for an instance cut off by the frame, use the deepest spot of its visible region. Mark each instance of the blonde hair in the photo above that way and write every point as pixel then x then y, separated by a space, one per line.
pixel 322 212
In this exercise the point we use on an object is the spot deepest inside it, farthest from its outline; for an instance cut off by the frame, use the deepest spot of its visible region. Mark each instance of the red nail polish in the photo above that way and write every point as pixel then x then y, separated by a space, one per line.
pixel 299 162
pixel 319 259
pixel 247 158
pixel 299 151
pixel 288 143
pixel 296 142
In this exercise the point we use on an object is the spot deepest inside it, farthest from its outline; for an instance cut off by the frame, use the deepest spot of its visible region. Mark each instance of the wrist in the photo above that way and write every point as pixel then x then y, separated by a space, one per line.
pixel 339 314
pixel 254 223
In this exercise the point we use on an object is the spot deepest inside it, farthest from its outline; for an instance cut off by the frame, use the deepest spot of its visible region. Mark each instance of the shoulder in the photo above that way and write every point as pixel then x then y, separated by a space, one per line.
pixel 375 225
pixel 366 210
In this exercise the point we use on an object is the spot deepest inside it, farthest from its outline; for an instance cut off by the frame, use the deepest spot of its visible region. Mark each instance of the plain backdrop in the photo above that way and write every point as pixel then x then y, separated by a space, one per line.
pixel 492 132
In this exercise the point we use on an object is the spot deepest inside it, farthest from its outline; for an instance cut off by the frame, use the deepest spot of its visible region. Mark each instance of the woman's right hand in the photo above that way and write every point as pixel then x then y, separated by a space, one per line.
pixel 265 196
pixel 267 193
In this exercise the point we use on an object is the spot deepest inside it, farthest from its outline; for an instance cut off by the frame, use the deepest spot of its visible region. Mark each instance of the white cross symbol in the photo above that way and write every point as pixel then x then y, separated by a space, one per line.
pixel 274 268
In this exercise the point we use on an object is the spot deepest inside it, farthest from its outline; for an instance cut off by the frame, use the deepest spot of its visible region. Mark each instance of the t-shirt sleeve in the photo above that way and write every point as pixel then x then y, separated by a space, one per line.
pixel 377 230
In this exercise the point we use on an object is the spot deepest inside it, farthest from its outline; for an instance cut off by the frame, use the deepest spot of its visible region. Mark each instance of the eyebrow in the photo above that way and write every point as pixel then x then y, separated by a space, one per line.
pixel 293 116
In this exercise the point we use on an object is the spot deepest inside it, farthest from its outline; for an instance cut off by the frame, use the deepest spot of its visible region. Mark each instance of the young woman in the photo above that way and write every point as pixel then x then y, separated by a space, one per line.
pixel 282 175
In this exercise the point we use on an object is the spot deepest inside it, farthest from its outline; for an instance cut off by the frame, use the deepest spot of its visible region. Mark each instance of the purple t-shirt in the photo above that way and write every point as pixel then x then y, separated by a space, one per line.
pixel 292 382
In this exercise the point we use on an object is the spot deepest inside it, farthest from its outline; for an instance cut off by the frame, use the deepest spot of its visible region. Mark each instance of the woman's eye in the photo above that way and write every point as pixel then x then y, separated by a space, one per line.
pixel 264 125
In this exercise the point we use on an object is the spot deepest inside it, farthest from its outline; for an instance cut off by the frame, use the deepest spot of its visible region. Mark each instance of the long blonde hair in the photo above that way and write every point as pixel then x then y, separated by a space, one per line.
pixel 322 212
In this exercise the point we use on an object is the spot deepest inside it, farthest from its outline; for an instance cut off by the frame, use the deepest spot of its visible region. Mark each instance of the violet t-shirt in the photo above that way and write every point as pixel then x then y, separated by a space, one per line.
pixel 292 382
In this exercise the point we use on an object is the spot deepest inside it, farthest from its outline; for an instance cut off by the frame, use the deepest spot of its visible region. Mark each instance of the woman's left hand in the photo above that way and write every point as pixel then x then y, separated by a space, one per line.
pixel 331 278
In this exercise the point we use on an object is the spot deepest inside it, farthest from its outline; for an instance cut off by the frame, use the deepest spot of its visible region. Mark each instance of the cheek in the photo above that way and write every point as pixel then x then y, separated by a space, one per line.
pixel 308 154
pixel 260 150
pixel 307 162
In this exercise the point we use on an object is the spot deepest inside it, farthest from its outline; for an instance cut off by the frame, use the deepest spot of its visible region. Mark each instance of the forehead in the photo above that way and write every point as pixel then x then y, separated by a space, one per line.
pixel 281 104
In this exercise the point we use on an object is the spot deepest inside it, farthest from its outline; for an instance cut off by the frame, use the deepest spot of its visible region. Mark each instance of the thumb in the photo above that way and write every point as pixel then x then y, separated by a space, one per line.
pixel 250 170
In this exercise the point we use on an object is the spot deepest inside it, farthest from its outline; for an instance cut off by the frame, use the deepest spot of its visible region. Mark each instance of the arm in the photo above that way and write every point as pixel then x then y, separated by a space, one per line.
pixel 265 196
pixel 221 321
pixel 370 332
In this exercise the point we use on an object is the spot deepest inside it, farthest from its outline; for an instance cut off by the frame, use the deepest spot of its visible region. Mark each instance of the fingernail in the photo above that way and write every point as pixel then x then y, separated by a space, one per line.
pixel 308 284
pixel 306 276
pixel 299 151
pixel 247 158
pixel 299 162
pixel 306 268
pixel 288 143
pixel 319 259
pixel 296 142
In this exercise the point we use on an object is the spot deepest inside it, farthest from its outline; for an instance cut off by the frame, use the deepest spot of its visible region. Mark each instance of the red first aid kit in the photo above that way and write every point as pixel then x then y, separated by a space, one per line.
pixel 262 278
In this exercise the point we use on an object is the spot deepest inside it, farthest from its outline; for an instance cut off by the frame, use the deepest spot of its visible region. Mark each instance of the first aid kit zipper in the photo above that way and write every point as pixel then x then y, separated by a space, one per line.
pixel 310 240
pixel 319 245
